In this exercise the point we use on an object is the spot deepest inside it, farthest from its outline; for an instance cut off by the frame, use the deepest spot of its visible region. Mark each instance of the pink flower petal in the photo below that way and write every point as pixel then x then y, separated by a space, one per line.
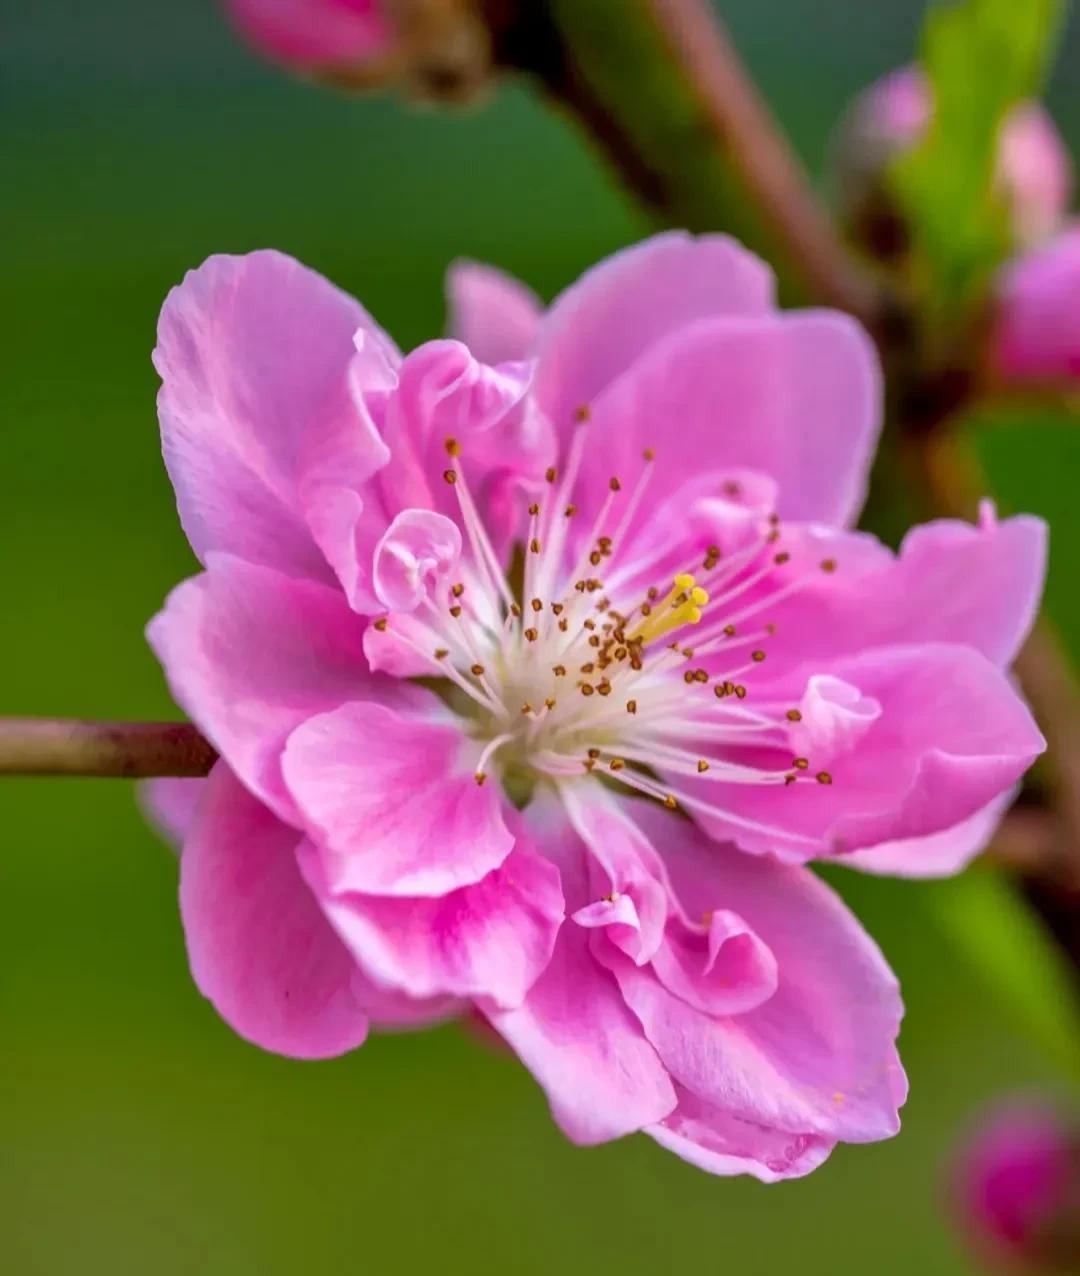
pixel 794 396
pixel 392 803
pixel 720 1143
pixel 250 654
pixel 259 947
pixel 1038 336
pixel 254 355
pixel 492 939
pixel 818 1056
pixel 416 554
pixel 575 1035
pixel 494 314
pixel 940 854
pixel 170 804
pixel 951 582
pixel 952 736
pixel 607 320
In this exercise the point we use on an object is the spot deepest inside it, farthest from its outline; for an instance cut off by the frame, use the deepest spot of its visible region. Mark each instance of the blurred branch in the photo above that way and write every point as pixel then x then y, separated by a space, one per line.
pixel 661 89
pixel 130 750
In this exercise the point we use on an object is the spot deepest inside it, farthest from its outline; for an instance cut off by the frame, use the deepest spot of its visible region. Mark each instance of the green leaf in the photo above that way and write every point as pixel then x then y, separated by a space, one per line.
pixel 992 927
pixel 981 57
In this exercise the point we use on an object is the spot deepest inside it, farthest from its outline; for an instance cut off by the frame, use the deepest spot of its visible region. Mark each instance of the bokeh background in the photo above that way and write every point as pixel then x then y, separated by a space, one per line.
pixel 137 1134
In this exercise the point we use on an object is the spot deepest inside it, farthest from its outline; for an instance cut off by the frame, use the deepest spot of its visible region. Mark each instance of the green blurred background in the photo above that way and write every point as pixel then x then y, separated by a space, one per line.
pixel 136 1133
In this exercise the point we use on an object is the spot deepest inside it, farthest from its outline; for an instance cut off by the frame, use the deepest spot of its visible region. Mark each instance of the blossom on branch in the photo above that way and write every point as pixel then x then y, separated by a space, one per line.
pixel 541 661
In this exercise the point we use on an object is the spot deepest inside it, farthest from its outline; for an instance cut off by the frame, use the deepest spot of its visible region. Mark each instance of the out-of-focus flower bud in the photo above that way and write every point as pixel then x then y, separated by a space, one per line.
pixel 1037 337
pixel 436 49
pixel 1033 167
pixel 1016 1190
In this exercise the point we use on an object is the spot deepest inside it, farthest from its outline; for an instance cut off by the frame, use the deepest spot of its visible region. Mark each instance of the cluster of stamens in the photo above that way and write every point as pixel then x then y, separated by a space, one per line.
pixel 561 680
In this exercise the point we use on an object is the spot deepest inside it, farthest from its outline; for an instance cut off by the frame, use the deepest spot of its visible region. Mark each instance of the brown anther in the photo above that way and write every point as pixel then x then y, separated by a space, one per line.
pixel 646 610
pixel 559 671
pixel 526 709
pixel 455 611
pixel 537 605
pixel 532 634
pixel 648 454
pixel 579 585
pixel 652 593
pixel 589 763
pixel 619 653
pixel 594 640
pixel 729 688
pixel 789 779
pixel 476 670
pixel 702 766
pixel 588 667
pixel 688 676
pixel 457 590
pixel 594 753
pixel 582 412
pixel 730 631
pixel 631 706
pixel 549 704
pixel 604 542
pixel 670 802
pixel 450 476
pixel 590 625
pixel 557 608
pixel 635 664
pixel 549 473
pixel 596 558
pixel 794 715
pixel 534 509
pixel 593 585
pixel 564 625
pixel 823 777
pixel 772 537
pixel 828 564
pixel 782 558
pixel 604 687
pixel 515 611
pixel 453 447
pixel 774 520
pixel 534 546
pixel 616 764
pixel 731 488
pixel 701 675
pixel 380 624
pixel 800 764
pixel 614 484
pixel 587 689
pixel 441 653
pixel 480 777
pixel 720 690
pixel 757 657
pixel 740 691
pixel 570 511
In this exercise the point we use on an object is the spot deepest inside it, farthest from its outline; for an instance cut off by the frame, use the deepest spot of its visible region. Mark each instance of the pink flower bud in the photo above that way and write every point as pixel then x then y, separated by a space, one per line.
pixel 438 48
pixel 1034 171
pixel 1017 1191
pixel 1037 337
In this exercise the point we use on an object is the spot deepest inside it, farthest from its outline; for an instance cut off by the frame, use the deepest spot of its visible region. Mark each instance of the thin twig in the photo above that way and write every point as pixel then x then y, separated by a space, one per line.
pixel 130 750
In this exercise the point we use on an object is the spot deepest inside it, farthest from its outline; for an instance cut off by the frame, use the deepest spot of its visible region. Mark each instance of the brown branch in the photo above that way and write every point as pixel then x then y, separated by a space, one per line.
pixel 129 750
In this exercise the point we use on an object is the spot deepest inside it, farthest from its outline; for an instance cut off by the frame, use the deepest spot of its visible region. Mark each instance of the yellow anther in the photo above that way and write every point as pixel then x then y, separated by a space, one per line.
pixel 681 607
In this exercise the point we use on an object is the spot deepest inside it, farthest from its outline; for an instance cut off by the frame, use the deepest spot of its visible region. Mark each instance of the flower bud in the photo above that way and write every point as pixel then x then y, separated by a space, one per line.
pixel 1037 333
pixel 436 49
pixel 1017 1191
pixel 1034 172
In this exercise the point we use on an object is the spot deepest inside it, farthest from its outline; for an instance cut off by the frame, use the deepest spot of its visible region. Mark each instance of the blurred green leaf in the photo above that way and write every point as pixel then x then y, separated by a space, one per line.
pixel 980 57
pixel 1001 938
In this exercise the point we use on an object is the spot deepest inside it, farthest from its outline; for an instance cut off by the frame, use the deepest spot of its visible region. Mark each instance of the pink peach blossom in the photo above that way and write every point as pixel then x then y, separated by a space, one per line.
pixel 1034 170
pixel 1038 329
pixel 1016 1189
pixel 512 649
pixel 310 34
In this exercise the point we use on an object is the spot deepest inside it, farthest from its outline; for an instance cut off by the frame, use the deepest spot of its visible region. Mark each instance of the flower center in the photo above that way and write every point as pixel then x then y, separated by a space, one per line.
pixel 577 660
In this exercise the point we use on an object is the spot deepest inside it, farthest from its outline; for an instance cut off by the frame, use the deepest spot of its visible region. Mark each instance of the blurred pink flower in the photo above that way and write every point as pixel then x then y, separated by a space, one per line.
pixel 611 540
pixel 310 34
pixel 1016 1190
pixel 1034 170
pixel 1038 326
